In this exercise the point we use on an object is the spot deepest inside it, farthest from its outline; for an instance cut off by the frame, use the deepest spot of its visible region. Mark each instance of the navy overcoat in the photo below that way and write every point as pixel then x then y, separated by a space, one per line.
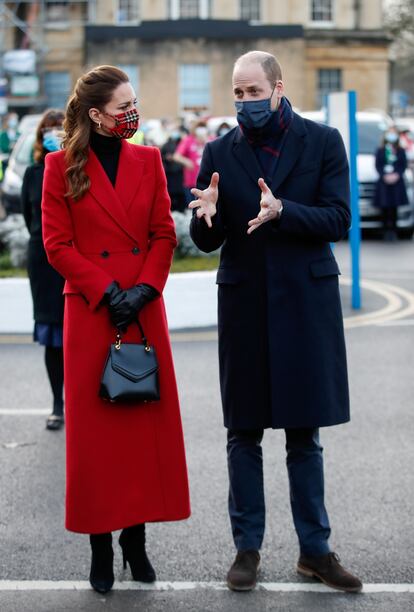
pixel 281 340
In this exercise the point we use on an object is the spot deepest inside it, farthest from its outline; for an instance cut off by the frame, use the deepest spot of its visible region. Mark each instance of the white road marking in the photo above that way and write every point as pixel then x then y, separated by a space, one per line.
pixel 397 323
pixel 394 276
pixel 24 411
pixel 287 587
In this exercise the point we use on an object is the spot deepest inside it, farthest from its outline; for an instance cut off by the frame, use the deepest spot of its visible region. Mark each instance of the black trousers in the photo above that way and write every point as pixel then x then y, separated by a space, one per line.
pixel 306 481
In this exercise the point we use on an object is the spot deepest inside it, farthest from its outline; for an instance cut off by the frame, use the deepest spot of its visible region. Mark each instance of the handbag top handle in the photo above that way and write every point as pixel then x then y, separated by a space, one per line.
pixel 143 336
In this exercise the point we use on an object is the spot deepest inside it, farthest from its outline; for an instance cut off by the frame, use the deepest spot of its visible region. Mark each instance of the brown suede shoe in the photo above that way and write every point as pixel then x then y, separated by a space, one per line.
pixel 328 569
pixel 242 575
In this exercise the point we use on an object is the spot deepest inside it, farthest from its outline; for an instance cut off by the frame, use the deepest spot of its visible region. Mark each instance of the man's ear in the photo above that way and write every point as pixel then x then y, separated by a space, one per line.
pixel 278 94
pixel 279 89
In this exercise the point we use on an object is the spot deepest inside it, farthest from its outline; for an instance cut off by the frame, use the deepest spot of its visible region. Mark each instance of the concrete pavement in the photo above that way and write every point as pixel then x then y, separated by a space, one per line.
pixel 369 480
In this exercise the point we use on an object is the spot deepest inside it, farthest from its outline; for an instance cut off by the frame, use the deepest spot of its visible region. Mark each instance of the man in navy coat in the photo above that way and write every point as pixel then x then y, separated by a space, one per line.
pixel 274 193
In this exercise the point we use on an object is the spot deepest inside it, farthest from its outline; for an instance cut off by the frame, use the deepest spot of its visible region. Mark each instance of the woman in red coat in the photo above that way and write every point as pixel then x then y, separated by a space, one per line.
pixel 108 231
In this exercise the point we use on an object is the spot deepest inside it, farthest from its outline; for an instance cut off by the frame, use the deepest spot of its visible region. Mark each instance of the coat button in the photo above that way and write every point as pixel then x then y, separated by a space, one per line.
pixel 135 250
pixel 105 254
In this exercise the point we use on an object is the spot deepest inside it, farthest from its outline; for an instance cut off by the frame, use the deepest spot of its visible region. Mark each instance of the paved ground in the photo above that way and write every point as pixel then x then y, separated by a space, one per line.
pixel 369 479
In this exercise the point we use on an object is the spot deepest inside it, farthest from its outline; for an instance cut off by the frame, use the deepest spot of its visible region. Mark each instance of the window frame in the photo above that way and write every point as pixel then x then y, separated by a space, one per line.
pixel 253 20
pixel 324 23
pixel 320 93
pixel 47 91
pixel 57 24
pixel 204 10
pixel 193 107
pixel 128 21
pixel 135 80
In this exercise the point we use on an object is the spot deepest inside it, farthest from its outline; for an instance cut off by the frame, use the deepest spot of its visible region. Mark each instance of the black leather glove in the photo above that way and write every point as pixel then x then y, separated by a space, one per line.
pixel 124 308
pixel 112 293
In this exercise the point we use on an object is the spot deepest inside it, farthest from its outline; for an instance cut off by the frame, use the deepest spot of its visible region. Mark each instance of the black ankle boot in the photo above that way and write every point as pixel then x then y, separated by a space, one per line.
pixel 132 542
pixel 102 573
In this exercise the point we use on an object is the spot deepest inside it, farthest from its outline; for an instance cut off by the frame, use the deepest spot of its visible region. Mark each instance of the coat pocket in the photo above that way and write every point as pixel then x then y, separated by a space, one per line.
pixel 304 170
pixel 228 276
pixel 324 267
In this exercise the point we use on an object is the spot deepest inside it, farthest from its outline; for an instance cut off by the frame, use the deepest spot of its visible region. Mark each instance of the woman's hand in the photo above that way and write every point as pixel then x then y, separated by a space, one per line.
pixel 392 178
pixel 125 306
pixel 206 200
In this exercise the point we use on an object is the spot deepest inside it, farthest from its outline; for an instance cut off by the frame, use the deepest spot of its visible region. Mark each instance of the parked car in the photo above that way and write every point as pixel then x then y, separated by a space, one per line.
pixel 28 123
pixel 20 158
pixel 371 127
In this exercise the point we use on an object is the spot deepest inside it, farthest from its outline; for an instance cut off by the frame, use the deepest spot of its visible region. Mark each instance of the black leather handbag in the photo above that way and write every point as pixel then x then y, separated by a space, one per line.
pixel 130 372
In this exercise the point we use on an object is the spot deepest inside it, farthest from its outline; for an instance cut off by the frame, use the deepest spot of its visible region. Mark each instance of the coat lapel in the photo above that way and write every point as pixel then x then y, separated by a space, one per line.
pixel 246 157
pixel 130 171
pixel 291 150
pixel 106 196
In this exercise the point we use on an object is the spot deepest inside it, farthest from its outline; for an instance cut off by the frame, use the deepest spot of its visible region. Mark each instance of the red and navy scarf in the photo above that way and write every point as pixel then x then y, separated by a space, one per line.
pixel 267 142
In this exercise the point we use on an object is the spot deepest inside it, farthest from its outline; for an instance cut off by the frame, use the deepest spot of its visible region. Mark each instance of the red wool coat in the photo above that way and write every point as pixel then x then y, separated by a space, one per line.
pixel 125 463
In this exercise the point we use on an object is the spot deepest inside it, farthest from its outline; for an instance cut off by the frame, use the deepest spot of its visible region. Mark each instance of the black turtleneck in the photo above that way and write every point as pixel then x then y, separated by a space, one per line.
pixel 107 149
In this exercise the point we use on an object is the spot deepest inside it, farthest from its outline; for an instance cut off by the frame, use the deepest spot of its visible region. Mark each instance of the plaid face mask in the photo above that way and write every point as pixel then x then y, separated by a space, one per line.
pixel 126 124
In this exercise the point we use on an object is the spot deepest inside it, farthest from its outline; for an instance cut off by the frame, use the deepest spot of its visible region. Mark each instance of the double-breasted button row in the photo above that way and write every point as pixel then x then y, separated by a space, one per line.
pixel 135 251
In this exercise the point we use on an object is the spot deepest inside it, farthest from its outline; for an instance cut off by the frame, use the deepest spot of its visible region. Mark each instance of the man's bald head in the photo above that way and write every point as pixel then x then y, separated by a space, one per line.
pixel 267 61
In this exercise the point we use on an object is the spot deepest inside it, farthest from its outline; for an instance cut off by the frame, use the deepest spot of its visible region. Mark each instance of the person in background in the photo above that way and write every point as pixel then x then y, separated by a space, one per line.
pixel 9 134
pixel 174 170
pixel 137 138
pixel 4 138
pixel 406 137
pixel 390 192
pixel 8 137
pixel 45 283
pixel 189 153
pixel 223 129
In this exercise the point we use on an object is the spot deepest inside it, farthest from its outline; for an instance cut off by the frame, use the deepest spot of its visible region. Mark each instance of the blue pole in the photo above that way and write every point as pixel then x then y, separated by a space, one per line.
pixel 355 231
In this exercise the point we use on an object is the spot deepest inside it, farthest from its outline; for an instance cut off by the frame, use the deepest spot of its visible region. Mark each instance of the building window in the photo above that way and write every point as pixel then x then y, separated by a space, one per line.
pixel 133 75
pixel 322 11
pixel 57 88
pixel 329 79
pixel 56 12
pixel 250 10
pixel 189 9
pixel 194 86
pixel 128 11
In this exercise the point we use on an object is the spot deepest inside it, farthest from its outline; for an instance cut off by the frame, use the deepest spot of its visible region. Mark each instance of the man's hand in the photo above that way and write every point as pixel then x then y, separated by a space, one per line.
pixel 269 207
pixel 206 200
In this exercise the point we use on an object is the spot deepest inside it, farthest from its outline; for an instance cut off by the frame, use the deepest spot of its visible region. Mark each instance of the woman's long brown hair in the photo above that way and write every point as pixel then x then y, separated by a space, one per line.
pixel 92 90
pixel 52 118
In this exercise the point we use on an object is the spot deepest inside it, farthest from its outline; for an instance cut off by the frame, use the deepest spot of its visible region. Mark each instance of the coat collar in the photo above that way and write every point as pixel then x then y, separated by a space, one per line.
pixel 292 148
pixel 116 201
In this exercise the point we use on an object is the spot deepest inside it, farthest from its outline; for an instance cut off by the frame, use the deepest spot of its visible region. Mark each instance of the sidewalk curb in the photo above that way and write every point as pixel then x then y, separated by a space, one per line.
pixel 190 299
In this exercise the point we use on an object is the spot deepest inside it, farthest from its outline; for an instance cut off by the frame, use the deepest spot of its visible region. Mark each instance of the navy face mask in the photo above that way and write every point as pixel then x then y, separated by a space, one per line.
pixel 254 113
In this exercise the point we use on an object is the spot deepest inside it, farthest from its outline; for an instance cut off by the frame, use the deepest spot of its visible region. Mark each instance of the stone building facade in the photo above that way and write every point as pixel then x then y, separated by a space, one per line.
pixel 180 53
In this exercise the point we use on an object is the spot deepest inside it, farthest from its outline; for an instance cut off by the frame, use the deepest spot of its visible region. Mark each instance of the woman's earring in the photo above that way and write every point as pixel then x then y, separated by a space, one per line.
pixel 99 124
